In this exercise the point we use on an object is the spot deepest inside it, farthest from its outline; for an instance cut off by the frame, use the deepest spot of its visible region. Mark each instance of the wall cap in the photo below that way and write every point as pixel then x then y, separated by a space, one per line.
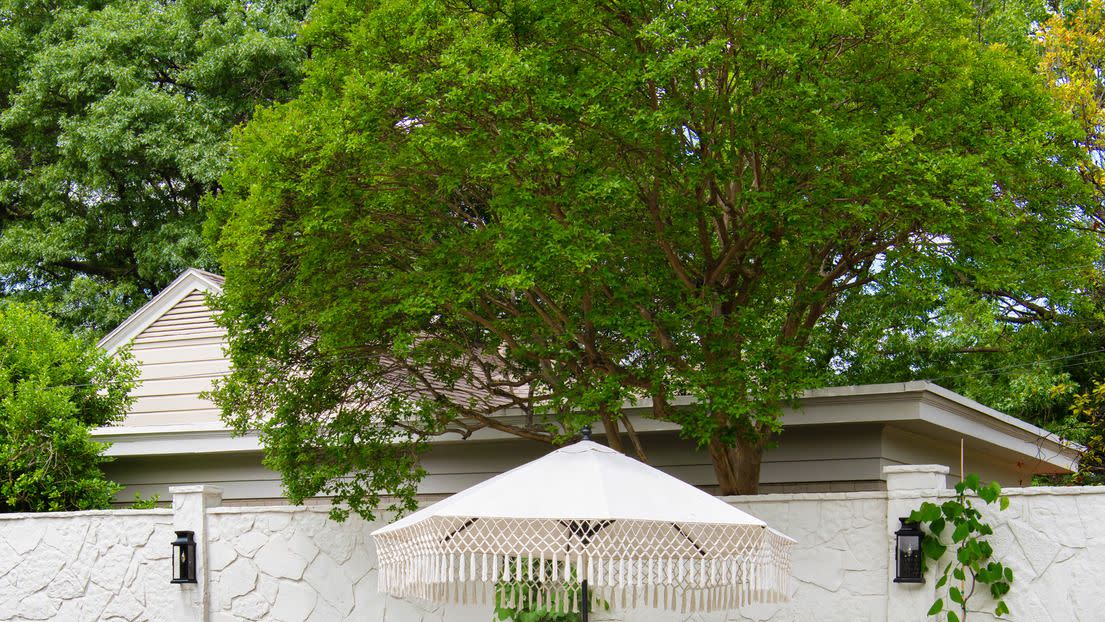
pixel 206 489
pixel 915 468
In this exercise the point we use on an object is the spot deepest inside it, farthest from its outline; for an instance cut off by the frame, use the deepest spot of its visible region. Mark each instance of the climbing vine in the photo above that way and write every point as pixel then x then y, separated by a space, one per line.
pixel 973 565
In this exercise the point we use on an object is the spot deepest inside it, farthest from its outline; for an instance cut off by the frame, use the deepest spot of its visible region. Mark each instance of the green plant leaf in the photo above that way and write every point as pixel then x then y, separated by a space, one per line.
pixel 1001 609
pixel 936 607
pixel 927 513
pixel 932 548
pixel 990 492
pixel 952 510
pixel 972 481
pixel 962 530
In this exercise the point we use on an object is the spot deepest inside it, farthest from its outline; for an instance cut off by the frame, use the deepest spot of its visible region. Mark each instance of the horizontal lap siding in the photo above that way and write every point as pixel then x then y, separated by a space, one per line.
pixel 803 457
pixel 240 476
pixel 179 356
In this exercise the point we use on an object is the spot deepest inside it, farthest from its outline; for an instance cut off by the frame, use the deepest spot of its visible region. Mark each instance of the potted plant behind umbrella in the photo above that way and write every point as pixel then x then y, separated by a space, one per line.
pixel 631 534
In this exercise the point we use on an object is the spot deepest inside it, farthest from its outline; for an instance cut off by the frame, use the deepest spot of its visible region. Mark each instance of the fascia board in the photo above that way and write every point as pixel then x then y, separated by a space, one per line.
pixel 1043 446
pixel 174 440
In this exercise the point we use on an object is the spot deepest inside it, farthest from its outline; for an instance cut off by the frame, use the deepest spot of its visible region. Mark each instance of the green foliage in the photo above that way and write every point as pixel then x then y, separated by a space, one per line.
pixel 1088 428
pixel 54 388
pixel 147 503
pixel 557 609
pixel 114 121
pixel 972 564
pixel 1026 351
pixel 544 206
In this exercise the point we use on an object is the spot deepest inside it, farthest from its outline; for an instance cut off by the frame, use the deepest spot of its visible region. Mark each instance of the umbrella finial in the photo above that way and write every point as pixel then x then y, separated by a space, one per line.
pixel 587 432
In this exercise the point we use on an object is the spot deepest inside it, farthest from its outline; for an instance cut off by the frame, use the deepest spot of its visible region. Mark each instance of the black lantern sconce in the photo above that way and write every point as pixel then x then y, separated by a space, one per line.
pixel 184 557
pixel 908 553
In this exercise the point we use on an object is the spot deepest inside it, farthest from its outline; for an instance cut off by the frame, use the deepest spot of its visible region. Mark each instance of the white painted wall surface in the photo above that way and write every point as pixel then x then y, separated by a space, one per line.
pixel 86 566
pixel 294 564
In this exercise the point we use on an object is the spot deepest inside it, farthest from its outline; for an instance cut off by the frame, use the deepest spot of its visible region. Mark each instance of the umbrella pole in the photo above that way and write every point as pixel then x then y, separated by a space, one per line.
pixel 586 601
pixel 585 606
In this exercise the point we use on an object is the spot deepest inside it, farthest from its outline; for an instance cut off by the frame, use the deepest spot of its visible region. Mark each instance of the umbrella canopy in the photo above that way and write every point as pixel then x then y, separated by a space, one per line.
pixel 585 512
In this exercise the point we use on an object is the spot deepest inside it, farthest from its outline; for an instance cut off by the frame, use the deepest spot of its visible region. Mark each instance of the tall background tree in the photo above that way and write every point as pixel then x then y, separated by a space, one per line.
pixel 555 207
pixel 54 388
pixel 114 120
pixel 1037 356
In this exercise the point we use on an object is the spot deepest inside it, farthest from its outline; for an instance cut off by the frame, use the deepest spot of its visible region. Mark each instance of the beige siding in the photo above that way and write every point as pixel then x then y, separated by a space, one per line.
pixel 241 476
pixel 850 453
pixel 905 447
pixel 178 356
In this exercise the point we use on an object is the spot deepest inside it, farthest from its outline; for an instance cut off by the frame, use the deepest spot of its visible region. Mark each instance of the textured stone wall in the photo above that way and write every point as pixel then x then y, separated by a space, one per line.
pixel 285 564
pixel 1054 540
pixel 86 566
pixel 839 565
pixel 294 564
pixel 839 571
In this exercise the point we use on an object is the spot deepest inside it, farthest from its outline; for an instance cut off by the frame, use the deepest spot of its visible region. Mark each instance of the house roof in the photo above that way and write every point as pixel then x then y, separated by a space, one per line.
pixel 923 408
pixel 189 281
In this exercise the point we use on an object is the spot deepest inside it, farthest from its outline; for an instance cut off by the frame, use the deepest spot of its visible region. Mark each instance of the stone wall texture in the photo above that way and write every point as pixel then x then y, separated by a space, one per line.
pixel 86 566
pixel 285 564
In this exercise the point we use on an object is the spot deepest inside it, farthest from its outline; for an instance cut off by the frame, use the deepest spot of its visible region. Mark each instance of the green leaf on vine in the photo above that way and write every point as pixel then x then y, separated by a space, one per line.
pixel 932 548
pixel 1001 609
pixel 961 532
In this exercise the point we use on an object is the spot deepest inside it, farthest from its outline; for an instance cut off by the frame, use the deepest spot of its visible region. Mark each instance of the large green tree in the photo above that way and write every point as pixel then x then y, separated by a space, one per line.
pixel 547 208
pixel 1024 352
pixel 54 388
pixel 114 120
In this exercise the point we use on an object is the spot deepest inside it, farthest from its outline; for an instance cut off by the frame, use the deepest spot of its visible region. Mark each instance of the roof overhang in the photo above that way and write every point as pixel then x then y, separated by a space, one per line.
pixel 920 407
pixel 174 440
pixel 935 412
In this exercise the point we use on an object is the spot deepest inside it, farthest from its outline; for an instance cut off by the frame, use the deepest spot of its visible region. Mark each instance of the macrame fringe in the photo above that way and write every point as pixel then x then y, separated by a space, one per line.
pixel 427 568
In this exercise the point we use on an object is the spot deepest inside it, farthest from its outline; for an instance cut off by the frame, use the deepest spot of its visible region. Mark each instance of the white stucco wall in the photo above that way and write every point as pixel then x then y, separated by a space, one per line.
pixel 286 564
pixel 1054 540
pixel 86 566
pixel 294 564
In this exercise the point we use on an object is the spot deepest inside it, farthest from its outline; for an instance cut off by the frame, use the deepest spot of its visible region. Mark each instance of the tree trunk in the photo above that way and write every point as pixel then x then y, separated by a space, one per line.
pixel 737 468
pixel 613 436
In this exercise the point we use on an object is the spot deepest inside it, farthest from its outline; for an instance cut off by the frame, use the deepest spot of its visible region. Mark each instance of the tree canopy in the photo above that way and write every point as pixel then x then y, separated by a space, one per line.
pixel 54 388
pixel 114 120
pixel 1032 356
pixel 547 208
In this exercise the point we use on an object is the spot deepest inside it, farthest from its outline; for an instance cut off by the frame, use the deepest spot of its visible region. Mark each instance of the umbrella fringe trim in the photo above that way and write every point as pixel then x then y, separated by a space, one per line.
pixel 547 579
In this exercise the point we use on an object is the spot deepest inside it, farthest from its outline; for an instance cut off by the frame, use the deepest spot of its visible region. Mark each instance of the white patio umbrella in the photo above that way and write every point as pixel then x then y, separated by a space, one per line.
pixel 587 520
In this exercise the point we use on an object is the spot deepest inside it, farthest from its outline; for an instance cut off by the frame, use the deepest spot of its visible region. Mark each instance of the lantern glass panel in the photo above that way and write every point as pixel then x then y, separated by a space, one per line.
pixel 908 564
pixel 184 558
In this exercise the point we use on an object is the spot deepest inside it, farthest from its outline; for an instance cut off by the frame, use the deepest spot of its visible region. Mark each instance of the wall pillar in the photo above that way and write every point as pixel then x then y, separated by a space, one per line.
pixel 190 505
pixel 907 487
